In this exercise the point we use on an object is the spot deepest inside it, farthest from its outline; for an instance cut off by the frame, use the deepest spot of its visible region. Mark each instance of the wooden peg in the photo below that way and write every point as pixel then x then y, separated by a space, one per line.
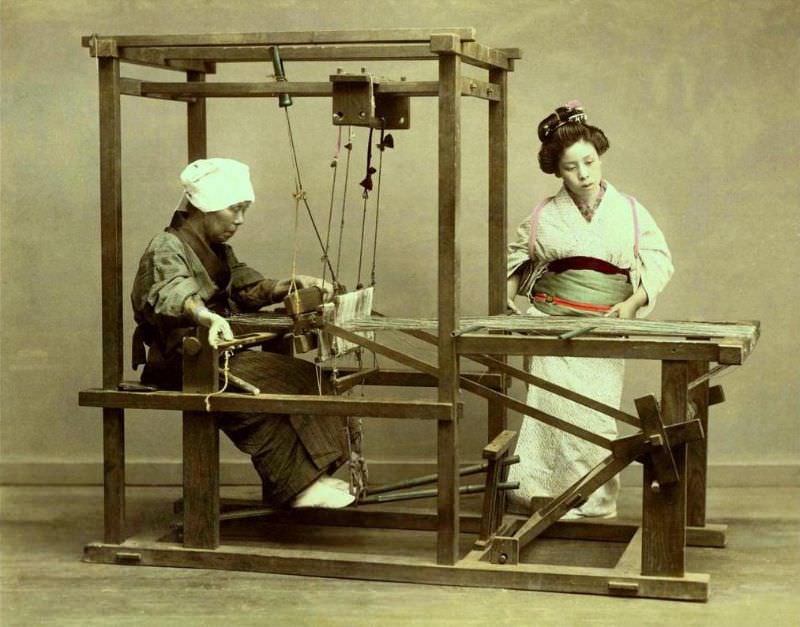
pixel 716 395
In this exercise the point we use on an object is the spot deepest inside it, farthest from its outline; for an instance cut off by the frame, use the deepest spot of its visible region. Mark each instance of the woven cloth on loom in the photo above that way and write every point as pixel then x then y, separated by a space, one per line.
pixel 345 309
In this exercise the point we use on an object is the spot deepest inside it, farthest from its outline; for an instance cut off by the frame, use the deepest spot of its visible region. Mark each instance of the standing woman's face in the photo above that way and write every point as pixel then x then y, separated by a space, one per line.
pixel 581 170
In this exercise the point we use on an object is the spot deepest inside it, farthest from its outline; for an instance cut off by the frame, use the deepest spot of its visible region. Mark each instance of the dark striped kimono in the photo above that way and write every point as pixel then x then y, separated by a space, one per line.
pixel 289 452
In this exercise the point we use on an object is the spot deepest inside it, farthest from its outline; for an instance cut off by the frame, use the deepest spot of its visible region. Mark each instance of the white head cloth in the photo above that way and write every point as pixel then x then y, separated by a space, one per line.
pixel 215 184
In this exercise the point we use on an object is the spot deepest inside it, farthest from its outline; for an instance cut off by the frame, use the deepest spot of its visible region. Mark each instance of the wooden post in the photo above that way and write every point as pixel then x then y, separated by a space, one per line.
pixel 664 507
pixel 200 432
pixel 111 273
pixel 114 475
pixel 200 480
pixel 697 452
pixel 448 298
pixel 196 122
pixel 200 448
pixel 498 227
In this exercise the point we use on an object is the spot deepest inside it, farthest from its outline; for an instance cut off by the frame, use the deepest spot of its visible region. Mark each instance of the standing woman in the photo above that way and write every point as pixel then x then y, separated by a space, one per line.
pixel 590 250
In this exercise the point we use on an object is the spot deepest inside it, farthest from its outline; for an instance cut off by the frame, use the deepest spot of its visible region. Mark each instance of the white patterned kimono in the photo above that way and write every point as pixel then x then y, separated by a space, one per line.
pixel 551 460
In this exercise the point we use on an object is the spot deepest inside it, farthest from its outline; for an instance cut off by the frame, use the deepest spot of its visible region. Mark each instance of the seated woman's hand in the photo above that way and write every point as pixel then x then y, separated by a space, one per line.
pixel 303 281
pixel 218 327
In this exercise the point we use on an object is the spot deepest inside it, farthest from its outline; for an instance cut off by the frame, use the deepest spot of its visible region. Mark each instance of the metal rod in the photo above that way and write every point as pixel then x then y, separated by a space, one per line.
pixel 351 380
pixel 576 332
pixel 470 329
pixel 247 340
pixel 713 372
pixel 424 494
pixel 244 385
pixel 417 481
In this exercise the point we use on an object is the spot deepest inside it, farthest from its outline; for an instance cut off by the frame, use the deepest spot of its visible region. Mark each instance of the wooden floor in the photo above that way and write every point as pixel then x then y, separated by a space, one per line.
pixel 43 582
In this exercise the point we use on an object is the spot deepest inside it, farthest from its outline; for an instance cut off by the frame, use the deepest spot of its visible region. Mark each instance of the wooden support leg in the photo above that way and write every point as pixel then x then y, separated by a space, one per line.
pixel 200 480
pixel 114 475
pixel 498 226
pixel 697 452
pixel 111 244
pixel 664 510
pixel 449 290
pixel 448 501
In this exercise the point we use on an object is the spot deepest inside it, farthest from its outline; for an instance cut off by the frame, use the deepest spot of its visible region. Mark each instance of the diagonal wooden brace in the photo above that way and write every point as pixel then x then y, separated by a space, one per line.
pixel 470 386
pixel 664 466
pixel 493 499
pixel 505 550
pixel 637 447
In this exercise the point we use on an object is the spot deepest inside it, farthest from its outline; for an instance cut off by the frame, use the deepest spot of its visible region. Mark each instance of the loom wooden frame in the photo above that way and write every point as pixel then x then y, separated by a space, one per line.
pixel 652 566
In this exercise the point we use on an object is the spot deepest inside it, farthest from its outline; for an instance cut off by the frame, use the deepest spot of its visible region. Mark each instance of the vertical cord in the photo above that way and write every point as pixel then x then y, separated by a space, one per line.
pixel 359 285
pixel 335 166
pixel 225 371
pixel 298 191
pixel 367 185
pixel 349 147
pixel 377 212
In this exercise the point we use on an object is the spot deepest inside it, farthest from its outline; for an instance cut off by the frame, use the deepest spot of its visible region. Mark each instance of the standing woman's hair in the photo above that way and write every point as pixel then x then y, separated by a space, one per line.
pixel 562 128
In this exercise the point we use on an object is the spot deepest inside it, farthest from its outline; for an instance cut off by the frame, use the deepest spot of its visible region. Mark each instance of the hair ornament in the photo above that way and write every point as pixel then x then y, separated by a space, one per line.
pixel 570 112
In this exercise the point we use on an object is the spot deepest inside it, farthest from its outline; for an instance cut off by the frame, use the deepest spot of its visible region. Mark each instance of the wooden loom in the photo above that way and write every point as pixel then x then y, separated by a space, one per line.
pixel 669 443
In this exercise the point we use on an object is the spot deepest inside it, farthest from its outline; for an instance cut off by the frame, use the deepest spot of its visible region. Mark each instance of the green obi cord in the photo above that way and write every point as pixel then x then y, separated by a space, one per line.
pixel 581 286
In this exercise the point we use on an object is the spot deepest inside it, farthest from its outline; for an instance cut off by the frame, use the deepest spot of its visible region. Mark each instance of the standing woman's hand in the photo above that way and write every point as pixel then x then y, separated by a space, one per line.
pixel 627 308
pixel 512 286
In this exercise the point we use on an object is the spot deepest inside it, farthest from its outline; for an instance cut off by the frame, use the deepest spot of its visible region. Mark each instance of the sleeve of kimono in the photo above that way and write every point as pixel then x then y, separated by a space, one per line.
pixel 655 260
pixel 519 259
pixel 164 279
pixel 249 289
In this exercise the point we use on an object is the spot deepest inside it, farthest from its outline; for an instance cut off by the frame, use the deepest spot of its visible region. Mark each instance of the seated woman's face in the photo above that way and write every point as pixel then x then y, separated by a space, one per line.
pixel 220 226
pixel 581 170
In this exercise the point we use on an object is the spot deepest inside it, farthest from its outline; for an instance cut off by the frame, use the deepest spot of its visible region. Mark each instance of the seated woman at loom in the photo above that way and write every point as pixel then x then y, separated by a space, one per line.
pixel 590 250
pixel 189 276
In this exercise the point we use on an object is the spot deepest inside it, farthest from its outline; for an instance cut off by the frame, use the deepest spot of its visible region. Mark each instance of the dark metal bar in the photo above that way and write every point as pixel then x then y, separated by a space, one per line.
pixel 426 494
pixel 425 479
pixel 576 332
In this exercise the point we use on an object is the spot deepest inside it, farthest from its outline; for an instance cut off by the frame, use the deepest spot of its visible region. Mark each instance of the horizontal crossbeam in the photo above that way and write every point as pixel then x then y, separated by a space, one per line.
pixel 640 348
pixel 372 36
pixel 267 403
pixel 273 89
